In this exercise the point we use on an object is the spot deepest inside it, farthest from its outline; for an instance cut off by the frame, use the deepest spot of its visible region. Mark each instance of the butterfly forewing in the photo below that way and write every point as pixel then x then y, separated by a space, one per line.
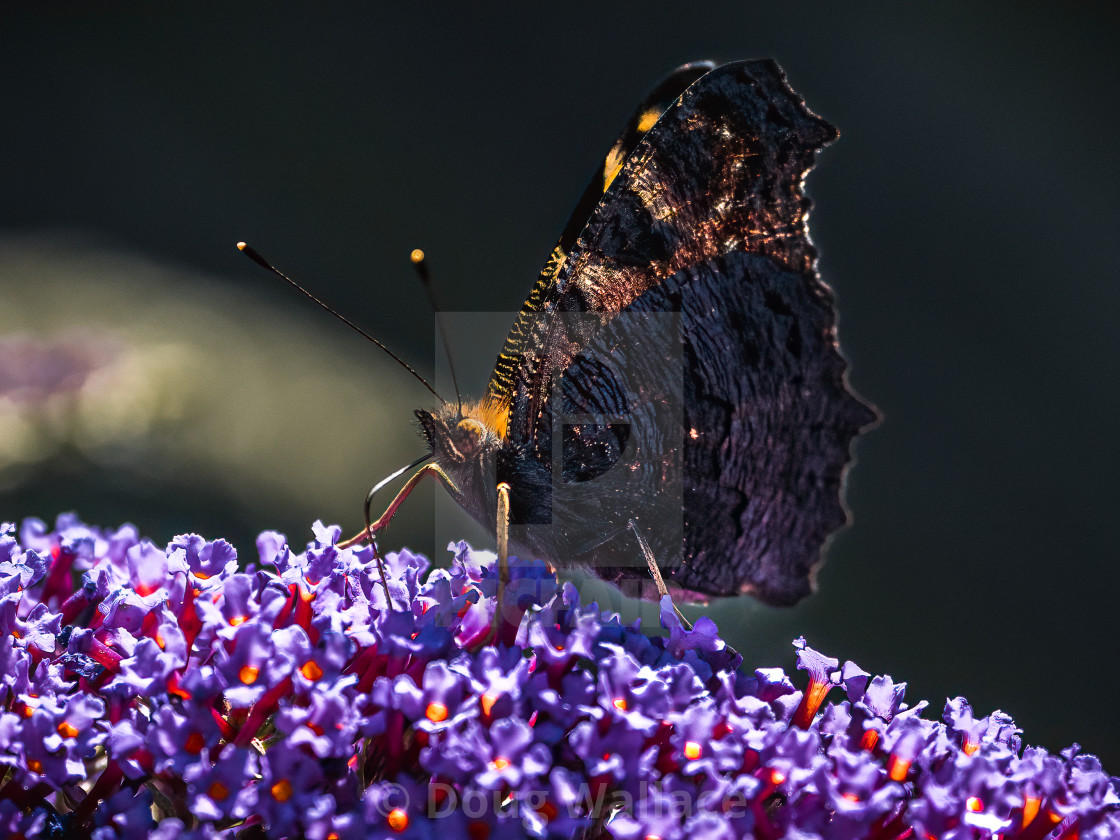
pixel 645 116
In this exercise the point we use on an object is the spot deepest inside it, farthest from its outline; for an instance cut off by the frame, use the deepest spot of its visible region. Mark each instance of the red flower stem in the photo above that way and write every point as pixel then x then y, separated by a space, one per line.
pixel 228 732
pixel 369 666
pixel 104 655
pixel 810 702
pixel 36 654
pixel 116 710
pixel 891 827
pixel 764 829
pixel 102 789
pixel 261 710
pixel 189 621
pixel 145 759
pixel 74 605
pixel 58 578
pixel 302 615
pixel 285 614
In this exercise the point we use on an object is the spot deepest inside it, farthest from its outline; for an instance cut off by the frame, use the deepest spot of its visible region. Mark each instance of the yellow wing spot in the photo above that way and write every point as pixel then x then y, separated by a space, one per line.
pixel 647 119
pixel 612 165
pixel 417 256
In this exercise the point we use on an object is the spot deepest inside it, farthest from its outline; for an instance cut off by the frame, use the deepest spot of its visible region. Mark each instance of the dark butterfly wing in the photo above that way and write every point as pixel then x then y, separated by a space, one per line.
pixel 721 171
pixel 645 116
pixel 756 455
pixel 706 219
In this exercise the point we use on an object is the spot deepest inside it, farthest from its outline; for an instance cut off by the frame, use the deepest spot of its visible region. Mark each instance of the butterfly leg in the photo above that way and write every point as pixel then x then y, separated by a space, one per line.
pixel 390 512
pixel 502 529
pixel 654 570
pixel 383 520
pixel 651 561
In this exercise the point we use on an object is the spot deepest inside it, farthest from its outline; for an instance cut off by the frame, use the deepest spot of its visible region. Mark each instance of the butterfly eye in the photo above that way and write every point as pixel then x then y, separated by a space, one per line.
pixel 468 436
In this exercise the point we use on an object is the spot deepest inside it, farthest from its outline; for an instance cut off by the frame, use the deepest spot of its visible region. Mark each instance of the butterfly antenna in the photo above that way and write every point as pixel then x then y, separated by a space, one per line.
pixel 417 257
pixel 265 264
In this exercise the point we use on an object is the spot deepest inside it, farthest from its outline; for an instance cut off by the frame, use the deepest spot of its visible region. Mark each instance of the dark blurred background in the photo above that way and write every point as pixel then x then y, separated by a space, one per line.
pixel 967 219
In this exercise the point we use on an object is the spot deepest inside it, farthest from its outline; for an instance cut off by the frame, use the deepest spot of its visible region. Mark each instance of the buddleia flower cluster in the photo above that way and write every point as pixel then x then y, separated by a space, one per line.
pixel 173 693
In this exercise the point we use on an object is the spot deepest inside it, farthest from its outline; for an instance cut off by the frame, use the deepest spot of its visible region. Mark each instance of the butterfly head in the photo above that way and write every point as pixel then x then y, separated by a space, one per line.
pixel 458 439
pixel 465 446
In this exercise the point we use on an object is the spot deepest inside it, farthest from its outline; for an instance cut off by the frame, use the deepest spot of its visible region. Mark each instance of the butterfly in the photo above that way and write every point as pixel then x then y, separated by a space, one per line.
pixel 673 384
pixel 676 363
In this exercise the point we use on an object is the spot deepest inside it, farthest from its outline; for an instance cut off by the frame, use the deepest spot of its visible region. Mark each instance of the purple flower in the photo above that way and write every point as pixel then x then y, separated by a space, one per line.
pixel 223 788
pixel 292 698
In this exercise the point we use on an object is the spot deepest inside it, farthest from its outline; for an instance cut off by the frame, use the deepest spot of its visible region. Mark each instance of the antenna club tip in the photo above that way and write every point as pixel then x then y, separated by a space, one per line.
pixel 417 256
pixel 241 246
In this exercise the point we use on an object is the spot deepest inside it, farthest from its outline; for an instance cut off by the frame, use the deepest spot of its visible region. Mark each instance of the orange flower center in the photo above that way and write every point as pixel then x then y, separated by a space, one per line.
pixel 436 712
pixel 281 791
pixel 397 819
